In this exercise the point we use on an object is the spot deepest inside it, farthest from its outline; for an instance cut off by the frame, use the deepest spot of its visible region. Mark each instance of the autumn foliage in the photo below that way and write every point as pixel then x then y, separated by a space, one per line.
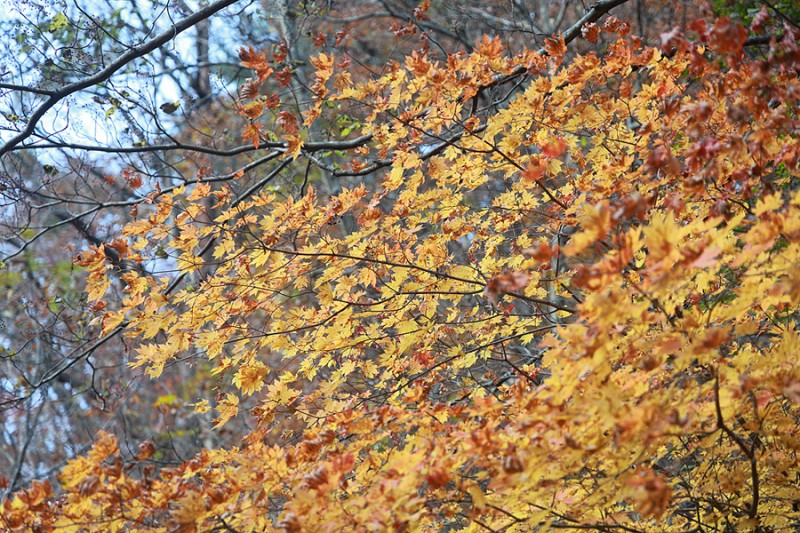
pixel 574 308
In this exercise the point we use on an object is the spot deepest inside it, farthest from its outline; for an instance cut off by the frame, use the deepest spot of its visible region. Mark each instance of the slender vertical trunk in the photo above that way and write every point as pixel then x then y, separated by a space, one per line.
pixel 202 79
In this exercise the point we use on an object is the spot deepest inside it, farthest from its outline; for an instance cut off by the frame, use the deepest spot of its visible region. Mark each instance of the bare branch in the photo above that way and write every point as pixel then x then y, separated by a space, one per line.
pixel 22 88
pixel 132 54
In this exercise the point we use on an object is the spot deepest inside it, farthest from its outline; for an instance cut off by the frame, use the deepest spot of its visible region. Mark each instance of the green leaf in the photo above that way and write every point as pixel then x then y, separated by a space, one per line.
pixel 58 22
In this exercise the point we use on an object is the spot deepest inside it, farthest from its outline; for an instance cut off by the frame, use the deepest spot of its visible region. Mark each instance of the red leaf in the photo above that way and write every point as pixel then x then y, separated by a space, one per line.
pixel 728 37
pixel 590 32
pixel 280 51
pixel 554 148
pixel 288 122
pixel 284 76
pixel 506 283
pixel 438 477
pixel 535 169
pixel 540 251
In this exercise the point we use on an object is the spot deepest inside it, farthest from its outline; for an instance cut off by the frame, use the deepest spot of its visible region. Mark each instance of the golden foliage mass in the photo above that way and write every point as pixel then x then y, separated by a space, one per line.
pixel 578 309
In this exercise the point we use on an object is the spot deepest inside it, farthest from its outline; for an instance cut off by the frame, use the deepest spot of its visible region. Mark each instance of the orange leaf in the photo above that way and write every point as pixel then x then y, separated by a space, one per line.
pixel 556 48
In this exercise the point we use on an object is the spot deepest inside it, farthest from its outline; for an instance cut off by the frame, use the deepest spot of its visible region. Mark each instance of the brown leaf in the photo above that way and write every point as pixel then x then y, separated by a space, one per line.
pixel 88 485
pixel 505 283
pixel 652 493
pixel 146 450
pixel 437 478
pixel 512 464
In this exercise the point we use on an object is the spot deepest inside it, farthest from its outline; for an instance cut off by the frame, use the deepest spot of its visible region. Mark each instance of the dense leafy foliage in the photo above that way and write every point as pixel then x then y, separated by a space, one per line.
pixel 576 307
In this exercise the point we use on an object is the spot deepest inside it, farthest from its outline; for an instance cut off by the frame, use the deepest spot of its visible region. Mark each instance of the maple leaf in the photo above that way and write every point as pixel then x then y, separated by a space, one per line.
pixel 318 39
pixel 556 48
pixel 146 450
pixel 250 377
pixel 652 493
pixel 288 122
pixel 250 88
pixel 541 251
pixel 590 32
pixel 421 10
pixel 418 63
pixel 492 49
pixel 728 37
pixel 257 61
pixel 280 50
pixel 253 133
pixel 613 25
pixel 505 283
pixel 252 110
pixel 120 246
pixel 535 169
pixel 284 76
pixel 324 65
pixel 437 478
pixel 595 223
pixel 227 408
pixel 133 179
pixel 554 148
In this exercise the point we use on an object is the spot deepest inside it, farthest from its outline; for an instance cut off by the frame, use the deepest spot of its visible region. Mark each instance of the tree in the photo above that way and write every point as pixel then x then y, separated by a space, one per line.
pixel 74 180
pixel 567 298
pixel 97 155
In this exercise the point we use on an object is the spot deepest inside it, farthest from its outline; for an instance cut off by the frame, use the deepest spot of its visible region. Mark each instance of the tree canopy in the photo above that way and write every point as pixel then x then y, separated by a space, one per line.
pixel 390 269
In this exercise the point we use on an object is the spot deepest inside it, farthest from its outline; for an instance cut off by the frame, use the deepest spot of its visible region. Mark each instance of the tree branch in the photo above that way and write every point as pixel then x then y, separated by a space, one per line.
pixel 593 15
pixel 311 146
pixel 22 88
pixel 103 75
pixel 749 452
pixel 127 203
